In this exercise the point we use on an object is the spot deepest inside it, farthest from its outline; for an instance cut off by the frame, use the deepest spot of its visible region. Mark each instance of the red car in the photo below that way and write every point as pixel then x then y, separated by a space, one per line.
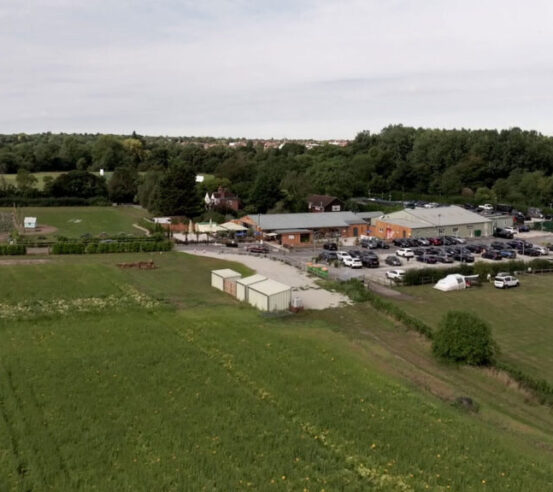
pixel 435 241
pixel 258 248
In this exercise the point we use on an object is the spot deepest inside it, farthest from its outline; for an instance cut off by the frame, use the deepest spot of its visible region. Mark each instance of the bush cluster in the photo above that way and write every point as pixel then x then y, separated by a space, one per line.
pixel 79 248
pixel 465 338
pixel 12 249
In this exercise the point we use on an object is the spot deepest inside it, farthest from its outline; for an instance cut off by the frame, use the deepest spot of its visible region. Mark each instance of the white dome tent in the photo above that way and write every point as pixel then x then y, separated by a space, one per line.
pixel 456 281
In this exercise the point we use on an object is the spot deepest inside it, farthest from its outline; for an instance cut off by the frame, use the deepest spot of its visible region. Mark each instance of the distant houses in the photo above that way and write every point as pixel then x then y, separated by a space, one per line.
pixel 324 203
pixel 222 199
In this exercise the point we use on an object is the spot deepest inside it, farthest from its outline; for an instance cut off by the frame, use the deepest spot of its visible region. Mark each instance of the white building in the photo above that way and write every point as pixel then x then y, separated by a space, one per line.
pixel 243 285
pixel 270 295
pixel 218 277
pixel 29 223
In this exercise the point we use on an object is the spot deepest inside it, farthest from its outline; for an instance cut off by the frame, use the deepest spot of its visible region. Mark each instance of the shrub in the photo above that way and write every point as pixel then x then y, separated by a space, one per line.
pixel 463 337
pixel 13 249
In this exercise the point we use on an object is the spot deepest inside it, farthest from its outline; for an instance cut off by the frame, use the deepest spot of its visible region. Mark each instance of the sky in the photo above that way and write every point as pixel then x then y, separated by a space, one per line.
pixel 274 69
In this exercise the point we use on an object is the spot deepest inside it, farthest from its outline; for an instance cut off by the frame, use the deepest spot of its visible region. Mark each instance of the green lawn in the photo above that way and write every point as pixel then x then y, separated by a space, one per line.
pixel 75 221
pixel 202 392
pixel 521 318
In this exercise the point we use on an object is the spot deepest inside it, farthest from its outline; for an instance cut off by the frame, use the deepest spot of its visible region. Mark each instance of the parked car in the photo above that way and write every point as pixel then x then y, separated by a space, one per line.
pixel 529 252
pixel 492 254
pixel 355 253
pixel 443 258
pixel 328 256
pixel 512 230
pixel 423 241
pixel 510 254
pixel 544 251
pixel 405 252
pixel 506 282
pixel 499 245
pixel 435 241
pixel 393 261
pixel 523 228
pixel 330 246
pixel 431 260
pixel 502 233
pixel 448 241
pixel 370 261
pixel 433 251
pixel 342 254
pixel 399 242
pixel 231 244
pixel 464 258
pixel 475 248
pixel 257 248
pixel 353 262
pixel 396 275
pixel 488 207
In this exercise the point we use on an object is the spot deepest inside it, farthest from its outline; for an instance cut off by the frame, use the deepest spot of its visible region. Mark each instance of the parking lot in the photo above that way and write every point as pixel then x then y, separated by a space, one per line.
pixel 300 256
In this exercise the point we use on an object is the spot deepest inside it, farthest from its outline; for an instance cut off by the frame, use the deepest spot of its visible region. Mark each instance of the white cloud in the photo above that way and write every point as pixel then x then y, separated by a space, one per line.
pixel 318 68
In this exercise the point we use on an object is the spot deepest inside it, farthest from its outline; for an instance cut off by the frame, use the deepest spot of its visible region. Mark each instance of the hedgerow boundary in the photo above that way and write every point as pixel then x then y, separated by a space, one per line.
pixel 357 292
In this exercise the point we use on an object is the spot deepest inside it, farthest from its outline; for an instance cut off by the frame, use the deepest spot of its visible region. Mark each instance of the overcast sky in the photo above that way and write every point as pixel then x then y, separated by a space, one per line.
pixel 279 68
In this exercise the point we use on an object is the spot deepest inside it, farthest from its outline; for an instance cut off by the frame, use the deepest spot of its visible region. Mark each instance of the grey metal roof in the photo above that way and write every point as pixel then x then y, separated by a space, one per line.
pixel 273 222
pixel 369 215
pixel 434 217
pixel 293 231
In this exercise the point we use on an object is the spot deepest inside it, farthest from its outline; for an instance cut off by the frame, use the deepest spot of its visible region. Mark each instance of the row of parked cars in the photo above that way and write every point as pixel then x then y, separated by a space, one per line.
pixel 355 258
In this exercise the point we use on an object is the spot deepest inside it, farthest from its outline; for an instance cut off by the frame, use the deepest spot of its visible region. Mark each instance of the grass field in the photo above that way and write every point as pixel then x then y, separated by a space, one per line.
pixel 201 392
pixel 75 221
pixel 521 318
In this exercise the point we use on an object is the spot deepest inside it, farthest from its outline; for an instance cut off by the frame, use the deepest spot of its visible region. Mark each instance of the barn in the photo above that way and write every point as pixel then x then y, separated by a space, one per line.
pixel 243 284
pixel 270 295
pixel 220 277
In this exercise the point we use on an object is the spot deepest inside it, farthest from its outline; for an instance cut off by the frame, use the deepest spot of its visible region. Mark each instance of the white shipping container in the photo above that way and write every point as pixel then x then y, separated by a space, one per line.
pixel 218 277
pixel 270 295
pixel 243 284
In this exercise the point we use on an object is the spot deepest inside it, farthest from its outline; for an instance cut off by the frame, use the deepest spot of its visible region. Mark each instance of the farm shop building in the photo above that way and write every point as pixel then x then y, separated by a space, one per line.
pixel 428 222
pixel 301 229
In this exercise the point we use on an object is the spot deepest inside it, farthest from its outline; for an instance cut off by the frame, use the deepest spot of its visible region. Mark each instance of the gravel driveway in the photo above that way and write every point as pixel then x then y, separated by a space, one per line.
pixel 313 296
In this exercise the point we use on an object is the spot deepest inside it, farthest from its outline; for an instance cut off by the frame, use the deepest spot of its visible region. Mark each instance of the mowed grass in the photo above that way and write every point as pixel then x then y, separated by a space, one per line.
pixel 209 394
pixel 75 221
pixel 521 318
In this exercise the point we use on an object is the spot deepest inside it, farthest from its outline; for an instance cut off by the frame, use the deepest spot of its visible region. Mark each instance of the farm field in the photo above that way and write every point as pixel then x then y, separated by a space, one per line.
pixel 75 221
pixel 521 319
pixel 184 387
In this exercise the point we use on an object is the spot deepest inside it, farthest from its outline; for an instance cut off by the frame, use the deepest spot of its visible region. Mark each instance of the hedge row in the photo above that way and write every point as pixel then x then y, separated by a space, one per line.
pixel 70 248
pixel 418 276
pixel 69 201
pixel 540 387
pixel 12 249
pixel 358 293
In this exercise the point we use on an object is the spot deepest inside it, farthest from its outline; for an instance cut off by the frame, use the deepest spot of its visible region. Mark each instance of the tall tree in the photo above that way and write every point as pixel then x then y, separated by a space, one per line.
pixel 177 192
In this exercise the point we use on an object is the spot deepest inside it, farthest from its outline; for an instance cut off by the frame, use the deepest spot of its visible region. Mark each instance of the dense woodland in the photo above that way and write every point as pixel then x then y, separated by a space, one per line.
pixel 509 166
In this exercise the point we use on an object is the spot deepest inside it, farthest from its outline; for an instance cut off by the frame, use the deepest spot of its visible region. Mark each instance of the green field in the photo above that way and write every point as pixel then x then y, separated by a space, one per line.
pixel 521 319
pixel 75 221
pixel 187 389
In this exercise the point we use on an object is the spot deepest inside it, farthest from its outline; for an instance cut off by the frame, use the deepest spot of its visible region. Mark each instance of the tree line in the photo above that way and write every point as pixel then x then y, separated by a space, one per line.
pixel 508 166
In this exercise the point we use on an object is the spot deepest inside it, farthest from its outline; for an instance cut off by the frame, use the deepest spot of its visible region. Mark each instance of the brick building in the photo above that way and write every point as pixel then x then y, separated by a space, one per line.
pixel 324 203
pixel 302 229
